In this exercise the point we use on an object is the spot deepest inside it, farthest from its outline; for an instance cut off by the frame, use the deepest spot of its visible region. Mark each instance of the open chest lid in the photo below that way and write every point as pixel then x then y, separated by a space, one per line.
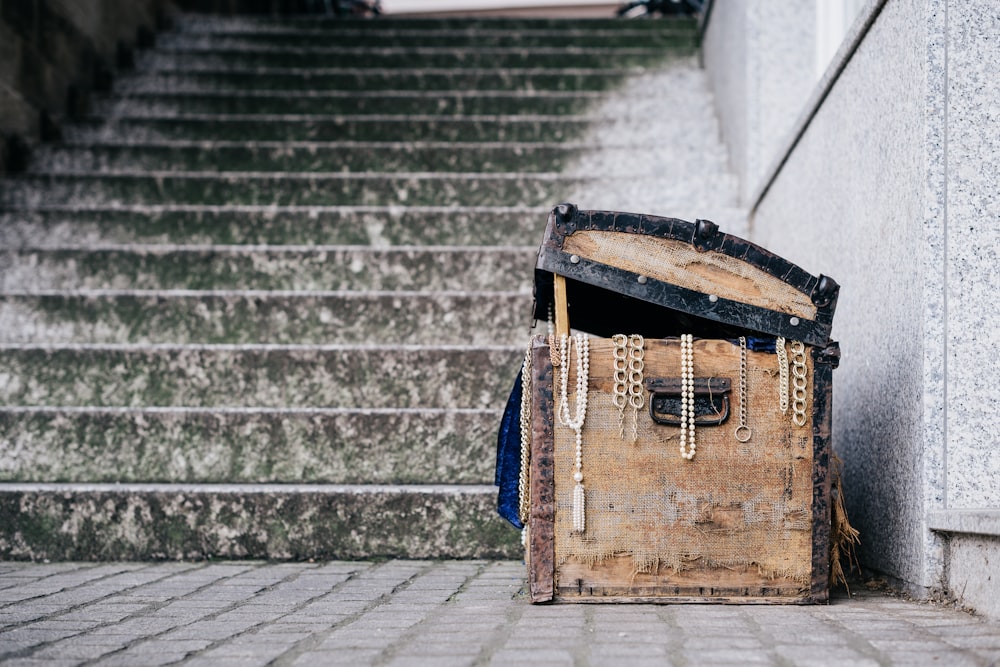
pixel 660 277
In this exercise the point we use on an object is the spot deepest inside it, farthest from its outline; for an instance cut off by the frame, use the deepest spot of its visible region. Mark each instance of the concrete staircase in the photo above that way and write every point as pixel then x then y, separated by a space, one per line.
pixel 269 300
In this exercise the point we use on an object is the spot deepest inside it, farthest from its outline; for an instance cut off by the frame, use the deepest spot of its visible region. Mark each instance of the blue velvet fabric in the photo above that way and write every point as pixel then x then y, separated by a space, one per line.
pixel 508 471
pixel 755 344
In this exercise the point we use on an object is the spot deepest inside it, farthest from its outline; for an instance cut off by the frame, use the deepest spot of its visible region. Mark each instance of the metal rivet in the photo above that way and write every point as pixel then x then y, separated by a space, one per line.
pixel 713 298
pixel 642 280
pixel 794 321
pixel 574 259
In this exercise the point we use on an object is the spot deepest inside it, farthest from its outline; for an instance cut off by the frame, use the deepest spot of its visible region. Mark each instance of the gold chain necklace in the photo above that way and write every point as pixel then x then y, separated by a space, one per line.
pixel 523 489
pixel 799 382
pixel 743 432
pixel 779 349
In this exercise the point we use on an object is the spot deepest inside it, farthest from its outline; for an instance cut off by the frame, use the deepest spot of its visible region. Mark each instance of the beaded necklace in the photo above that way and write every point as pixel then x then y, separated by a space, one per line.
pixel 575 422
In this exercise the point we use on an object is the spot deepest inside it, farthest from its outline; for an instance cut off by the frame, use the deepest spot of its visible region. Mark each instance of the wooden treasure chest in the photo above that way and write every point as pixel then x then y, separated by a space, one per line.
pixel 674 426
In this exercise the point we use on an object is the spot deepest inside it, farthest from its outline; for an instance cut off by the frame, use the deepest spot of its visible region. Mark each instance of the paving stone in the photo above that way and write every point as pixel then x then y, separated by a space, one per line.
pixel 438 661
pixel 734 657
pixel 809 655
pixel 347 656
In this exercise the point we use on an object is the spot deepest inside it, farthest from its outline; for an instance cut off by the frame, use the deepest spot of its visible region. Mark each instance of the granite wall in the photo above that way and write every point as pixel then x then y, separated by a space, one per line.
pixel 53 53
pixel 760 61
pixel 888 181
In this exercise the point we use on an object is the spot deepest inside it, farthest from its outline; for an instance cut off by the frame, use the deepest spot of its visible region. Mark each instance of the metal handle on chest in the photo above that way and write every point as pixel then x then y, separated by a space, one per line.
pixel 711 400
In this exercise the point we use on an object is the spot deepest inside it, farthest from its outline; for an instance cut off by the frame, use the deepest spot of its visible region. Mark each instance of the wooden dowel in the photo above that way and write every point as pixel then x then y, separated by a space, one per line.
pixel 561 306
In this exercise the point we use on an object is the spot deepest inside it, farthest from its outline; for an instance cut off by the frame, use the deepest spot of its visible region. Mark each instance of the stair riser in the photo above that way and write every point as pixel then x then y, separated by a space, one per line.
pixel 461 226
pixel 388 38
pixel 486 190
pixel 295 525
pixel 519 58
pixel 368 80
pixel 420 319
pixel 352 128
pixel 345 268
pixel 353 377
pixel 524 158
pixel 276 447
pixel 397 105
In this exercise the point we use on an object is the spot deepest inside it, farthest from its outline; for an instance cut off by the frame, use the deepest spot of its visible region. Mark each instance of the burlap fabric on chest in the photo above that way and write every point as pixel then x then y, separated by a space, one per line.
pixel 737 506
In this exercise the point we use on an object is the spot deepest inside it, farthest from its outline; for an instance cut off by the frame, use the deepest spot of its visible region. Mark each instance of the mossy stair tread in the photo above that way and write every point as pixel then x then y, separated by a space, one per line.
pixel 401 37
pixel 299 375
pixel 237 267
pixel 321 59
pixel 285 189
pixel 373 79
pixel 288 446
pixel 96 225
pixel 305 102
pixel 308 156
pixel 265 317
pixel 362 127
pixel 262 521
pixel 330 25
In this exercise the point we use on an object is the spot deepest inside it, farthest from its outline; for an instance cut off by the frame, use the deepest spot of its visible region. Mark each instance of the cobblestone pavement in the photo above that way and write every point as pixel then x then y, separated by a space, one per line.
pixel 404 613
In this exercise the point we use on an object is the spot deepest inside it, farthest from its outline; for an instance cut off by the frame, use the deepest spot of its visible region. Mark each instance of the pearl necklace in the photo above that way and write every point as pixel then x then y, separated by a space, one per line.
pixel 688 446
pixel 576 421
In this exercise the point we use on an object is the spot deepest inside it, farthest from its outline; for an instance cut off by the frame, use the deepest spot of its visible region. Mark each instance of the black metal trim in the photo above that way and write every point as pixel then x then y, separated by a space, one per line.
pixel 667 295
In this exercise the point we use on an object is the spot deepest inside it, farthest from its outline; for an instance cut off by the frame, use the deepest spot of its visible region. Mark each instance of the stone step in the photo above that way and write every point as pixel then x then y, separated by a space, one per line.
pixel 294 268
pixel 332 26
pixel 250 445
pixel 348 376
pixel 565 36
pixel 96 226
pixel 263 521
pixel 320 58
pixel 368 79
pixel 303 318
pixel 274 156
pixel 285 189
pixel 331 102
pixel 277 127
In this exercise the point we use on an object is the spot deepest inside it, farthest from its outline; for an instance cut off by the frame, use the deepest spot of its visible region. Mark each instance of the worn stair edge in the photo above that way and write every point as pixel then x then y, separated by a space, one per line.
pixel 403 38
pixel 182 445
pixel 320 59
pixel 383 375
pixel 282 189
pixel 82 225
pixel 400 72
pixel 345 157
pixel 366 79
pixel 149 106
pixel 196 24
pixel 277 127
pixel 280 522
pixel 324 270
pixel 265 317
